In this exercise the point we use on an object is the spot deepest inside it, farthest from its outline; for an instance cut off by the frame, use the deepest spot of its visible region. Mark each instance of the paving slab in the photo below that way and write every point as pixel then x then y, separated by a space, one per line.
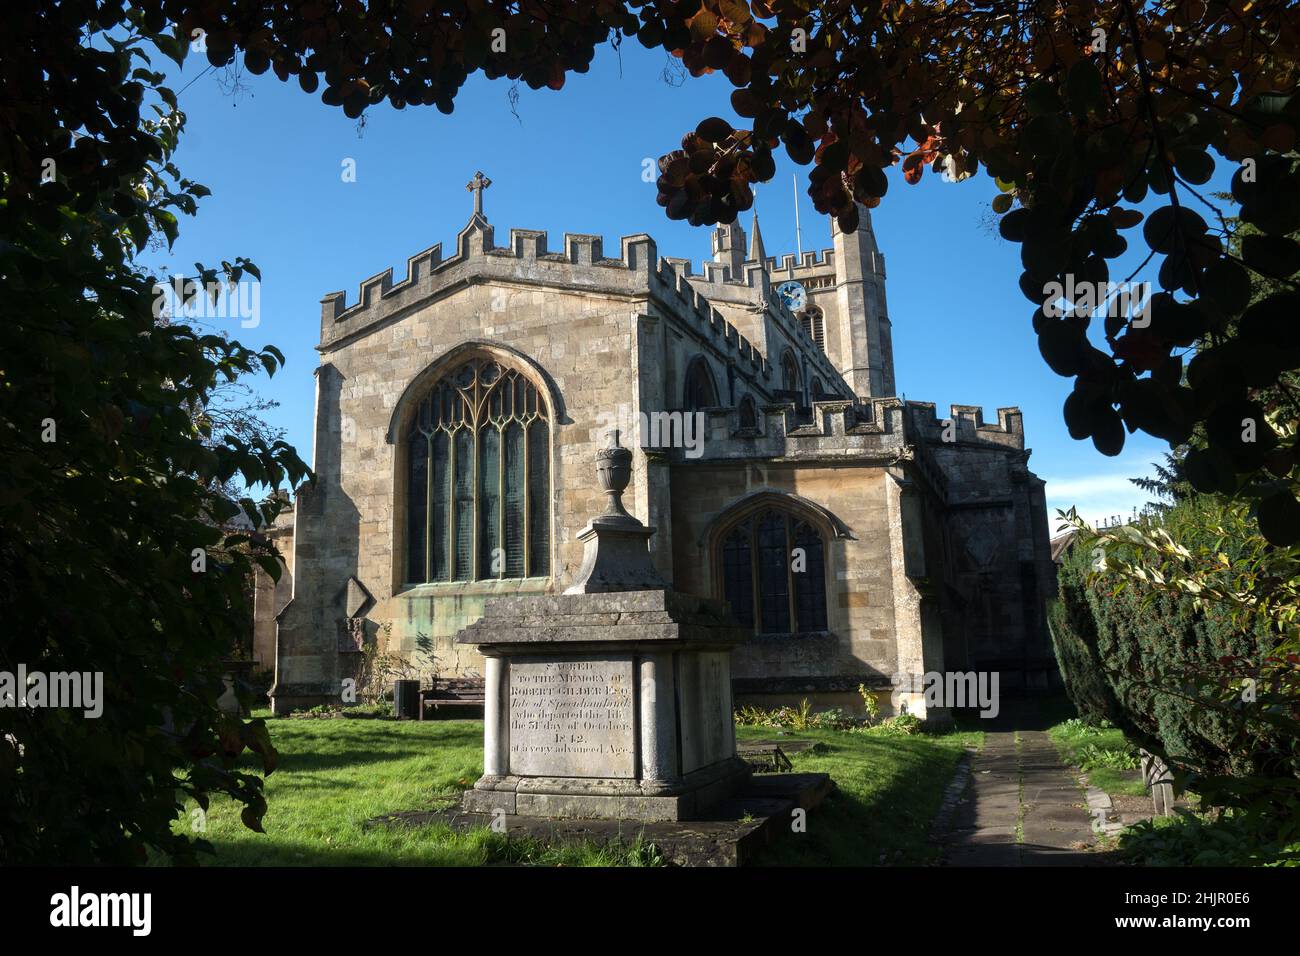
pixel 1020 807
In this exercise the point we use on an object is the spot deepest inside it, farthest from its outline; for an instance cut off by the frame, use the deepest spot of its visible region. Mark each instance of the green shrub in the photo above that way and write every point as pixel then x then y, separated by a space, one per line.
pixel 902 725
pixel 797 718
pixel 1074 638
pixel 750 716
pixel 1085 727
pixel 1092 756
pixel 1165 664
pixel 803 718
pixel 319 712
pixel 1197 839
pixel 1159 647
pixel 378 710
pixel 870 703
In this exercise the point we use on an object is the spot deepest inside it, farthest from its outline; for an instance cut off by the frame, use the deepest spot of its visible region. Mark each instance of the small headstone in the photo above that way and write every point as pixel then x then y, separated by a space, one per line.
pixel 1159 781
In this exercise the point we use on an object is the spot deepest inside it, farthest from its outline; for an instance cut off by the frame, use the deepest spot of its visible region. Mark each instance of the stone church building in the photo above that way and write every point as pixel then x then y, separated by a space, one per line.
pixel 863 539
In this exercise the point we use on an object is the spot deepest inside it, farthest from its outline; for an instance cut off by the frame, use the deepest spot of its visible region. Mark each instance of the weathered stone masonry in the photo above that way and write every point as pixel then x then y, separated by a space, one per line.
pixel 936 551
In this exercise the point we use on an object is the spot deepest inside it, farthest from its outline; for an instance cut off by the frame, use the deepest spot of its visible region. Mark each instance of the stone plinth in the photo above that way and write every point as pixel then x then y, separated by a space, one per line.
pixel 606 705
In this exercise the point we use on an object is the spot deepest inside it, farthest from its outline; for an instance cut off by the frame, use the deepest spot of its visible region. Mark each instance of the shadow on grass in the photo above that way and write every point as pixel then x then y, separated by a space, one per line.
pixel 424 846
pixel 352 743
pixel 337 775
pixel 889 790
pixel 334 775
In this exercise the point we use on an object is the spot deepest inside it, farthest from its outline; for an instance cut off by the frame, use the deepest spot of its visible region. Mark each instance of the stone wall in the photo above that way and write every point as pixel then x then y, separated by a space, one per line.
pixel 998 572
pixel 860 587
pixel 937 549
pixel 601 338
pixel 568 341
pixel 853 472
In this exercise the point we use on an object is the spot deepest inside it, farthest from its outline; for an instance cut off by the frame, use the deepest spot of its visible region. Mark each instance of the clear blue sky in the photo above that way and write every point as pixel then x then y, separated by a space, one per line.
pixel 572 161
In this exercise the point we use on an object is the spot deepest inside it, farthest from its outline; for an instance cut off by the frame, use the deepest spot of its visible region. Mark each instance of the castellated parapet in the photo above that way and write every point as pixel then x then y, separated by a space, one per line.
pixel 969 425
pixel 815 262
pixel 754 290
pixel 639 273
pixel 885 432
pixel 879 427
pixel 526 260
pixel 882 432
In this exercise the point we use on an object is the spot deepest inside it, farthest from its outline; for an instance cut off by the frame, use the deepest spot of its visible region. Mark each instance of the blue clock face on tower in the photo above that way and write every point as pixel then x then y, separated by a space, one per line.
pixel 793 295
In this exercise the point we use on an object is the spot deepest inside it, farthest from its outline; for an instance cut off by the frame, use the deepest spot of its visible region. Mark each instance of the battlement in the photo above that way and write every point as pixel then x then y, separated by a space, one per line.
pixel 834 417
pixel 873 432
pixel 778 268
pixel 671 282
pixel 638 272
pixel 581 264
pixel 813 259
pixel 882 431
pixel 815 262
pixel 838 428
pixel 755 278
pixel 756 291
pixel 1009 432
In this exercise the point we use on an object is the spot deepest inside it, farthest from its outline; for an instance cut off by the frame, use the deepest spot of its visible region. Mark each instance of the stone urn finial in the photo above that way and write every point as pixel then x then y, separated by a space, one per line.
pixel 615 553
pixel 614 471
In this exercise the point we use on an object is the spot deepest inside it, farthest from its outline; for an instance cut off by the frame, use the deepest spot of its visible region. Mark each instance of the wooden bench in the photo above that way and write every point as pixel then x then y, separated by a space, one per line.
pixel 452 692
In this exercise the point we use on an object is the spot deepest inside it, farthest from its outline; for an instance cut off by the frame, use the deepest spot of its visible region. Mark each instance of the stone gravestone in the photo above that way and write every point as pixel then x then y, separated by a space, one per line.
pixel 1160 782
pixel 613 699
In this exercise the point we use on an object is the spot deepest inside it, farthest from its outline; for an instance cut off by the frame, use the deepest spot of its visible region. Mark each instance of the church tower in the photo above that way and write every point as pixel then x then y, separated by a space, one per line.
pixel 865 353
pixel 729 249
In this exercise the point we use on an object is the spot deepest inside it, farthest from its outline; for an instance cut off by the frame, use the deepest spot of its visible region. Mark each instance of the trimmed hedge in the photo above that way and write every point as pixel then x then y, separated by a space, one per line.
pixel 1129 657
pixel 1074 638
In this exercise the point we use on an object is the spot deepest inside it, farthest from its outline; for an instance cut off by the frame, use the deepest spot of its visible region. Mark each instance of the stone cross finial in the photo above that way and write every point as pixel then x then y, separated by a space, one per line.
pixel 476 186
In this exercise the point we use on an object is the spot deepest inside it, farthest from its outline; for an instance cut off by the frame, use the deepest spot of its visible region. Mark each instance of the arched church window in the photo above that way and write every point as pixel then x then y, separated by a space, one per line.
pixel 774 573
pixel 700 392
pixel 790 371
pixel 479 478
pixel 814 323
pixel 818 389
pixel 748 413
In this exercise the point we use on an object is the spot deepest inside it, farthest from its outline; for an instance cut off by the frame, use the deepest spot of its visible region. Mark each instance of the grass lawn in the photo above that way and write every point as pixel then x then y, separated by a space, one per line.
pixel 334 775
pixel 889 791
pixel 1103 752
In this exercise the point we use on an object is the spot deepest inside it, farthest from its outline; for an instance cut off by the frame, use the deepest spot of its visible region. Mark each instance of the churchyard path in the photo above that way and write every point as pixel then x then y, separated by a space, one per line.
pixel 1021 807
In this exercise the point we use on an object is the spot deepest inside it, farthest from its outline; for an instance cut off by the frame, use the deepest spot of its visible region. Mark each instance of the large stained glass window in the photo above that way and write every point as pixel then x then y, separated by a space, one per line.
pixel 479 478
pixel 774 573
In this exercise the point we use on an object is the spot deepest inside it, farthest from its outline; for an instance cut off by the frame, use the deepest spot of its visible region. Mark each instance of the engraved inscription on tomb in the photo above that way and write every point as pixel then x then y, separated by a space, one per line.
pixel 571 719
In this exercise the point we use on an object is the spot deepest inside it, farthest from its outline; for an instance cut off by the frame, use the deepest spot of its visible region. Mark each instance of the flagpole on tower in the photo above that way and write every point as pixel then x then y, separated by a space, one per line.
pixel 798 236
